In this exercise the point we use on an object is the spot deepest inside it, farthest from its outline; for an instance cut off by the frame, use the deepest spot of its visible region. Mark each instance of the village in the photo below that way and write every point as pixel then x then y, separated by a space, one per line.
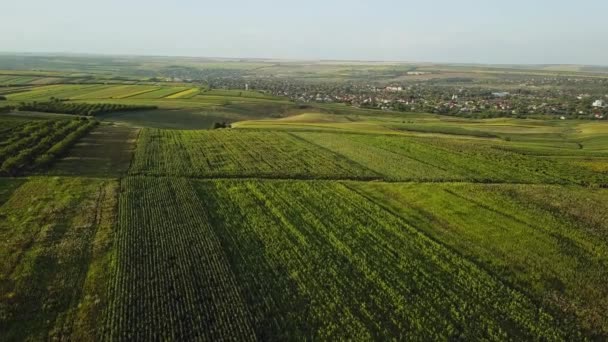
pixel 506 96
pixel 460 101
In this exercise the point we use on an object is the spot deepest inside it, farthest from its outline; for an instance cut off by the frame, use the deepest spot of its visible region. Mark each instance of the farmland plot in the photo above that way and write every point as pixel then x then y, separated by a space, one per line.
pixel 238 154
pixel 161 93
pixel 316 260
pixel 185 94
pixel 110 92
pixel 544 239
pixel 105 151
pixel 423 159
pixel 172 279
pixel 55 255
pixel 44 92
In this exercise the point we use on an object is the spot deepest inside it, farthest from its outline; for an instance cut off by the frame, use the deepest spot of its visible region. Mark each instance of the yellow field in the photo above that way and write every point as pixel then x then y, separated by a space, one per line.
pixel 185 93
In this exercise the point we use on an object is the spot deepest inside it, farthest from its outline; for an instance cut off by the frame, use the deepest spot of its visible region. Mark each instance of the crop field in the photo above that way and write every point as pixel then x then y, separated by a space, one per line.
pixel 317 222
pixel 187 119
pixel 185 94
pixel 194 111
pixel 548 240
pixel 14 90
pixel 275 154
pixel 111 92
pixel 431 159
pixel 207 154
pixel 15 80
pixel 106 151
pixel 238 93
pixel 136 92
pixel 46 92
pixel 190 292
pixel 54 257
pixel 162 93
pixel 312 241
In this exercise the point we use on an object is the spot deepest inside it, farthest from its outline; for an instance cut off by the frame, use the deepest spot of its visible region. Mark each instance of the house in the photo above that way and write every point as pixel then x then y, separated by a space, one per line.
pixel 390 88
pixel 599 104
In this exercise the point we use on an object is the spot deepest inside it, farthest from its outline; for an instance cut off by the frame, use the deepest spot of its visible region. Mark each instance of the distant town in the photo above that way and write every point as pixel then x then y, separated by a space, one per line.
pixel 575 98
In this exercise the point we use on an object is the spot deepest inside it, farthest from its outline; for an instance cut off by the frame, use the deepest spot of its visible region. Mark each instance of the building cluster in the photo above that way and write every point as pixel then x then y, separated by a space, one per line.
pixel 464 102
pixel 511 95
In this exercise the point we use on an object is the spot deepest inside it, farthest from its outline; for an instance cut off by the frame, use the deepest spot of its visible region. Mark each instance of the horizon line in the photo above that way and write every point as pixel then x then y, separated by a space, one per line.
pixel 99 54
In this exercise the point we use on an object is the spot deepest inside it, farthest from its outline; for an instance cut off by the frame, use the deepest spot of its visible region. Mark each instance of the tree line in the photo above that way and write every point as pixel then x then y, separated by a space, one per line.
pixel 42 145
pixel 87 109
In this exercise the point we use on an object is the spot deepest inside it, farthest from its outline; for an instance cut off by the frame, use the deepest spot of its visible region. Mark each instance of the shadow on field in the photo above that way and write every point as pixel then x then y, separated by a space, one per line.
pixel 167 118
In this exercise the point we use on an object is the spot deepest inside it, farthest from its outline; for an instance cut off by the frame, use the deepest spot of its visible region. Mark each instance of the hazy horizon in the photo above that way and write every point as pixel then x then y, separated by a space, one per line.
pixel 469 32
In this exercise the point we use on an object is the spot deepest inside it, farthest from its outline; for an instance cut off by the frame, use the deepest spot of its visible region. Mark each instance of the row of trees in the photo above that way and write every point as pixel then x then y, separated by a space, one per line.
pixel 88 109
pixel 6 109
pixel 43 145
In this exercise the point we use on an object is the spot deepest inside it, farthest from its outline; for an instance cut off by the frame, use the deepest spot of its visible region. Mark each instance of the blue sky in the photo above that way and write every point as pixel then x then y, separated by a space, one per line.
pixel 465 31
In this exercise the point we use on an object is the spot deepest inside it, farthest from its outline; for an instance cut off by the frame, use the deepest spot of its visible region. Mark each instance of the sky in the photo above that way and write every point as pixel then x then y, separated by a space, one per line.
pixel 465 31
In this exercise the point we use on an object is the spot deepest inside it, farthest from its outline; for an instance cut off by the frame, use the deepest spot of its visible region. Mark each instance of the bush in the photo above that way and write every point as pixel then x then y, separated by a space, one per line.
pixel 219 125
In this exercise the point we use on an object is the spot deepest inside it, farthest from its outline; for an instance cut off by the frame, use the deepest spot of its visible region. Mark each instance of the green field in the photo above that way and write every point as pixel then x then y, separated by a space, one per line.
pixel 232 154
pixel 328 282
pixel 179 107
pixel 316 222
pixel 55 240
